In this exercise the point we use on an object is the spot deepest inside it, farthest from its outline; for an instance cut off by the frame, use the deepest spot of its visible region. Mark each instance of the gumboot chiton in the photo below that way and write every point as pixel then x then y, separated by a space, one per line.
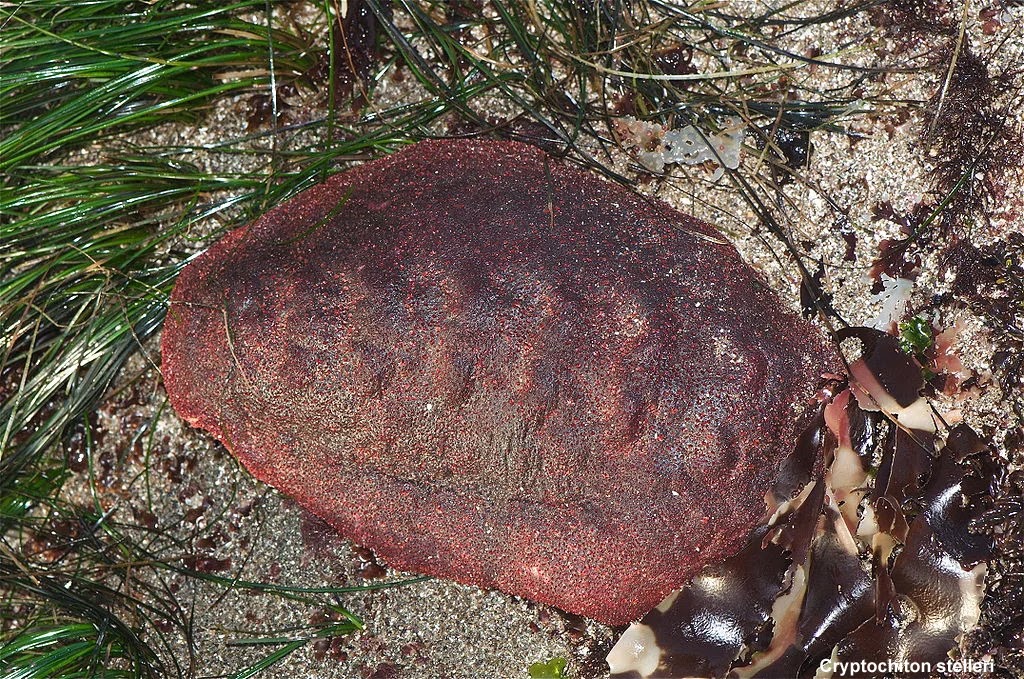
pixel 492 367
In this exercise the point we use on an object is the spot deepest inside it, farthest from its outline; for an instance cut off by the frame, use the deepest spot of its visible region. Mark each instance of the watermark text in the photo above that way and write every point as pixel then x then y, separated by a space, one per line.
pixel 839 668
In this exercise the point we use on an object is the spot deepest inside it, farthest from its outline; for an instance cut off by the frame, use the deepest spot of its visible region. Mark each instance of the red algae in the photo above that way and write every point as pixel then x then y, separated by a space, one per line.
pixel 489 366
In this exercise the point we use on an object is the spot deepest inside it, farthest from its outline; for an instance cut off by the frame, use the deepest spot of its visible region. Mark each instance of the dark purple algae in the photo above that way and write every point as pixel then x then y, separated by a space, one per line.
pixel 492 367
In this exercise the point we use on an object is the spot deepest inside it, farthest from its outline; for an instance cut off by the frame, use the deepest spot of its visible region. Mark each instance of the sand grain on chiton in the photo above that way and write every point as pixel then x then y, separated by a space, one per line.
pixel 493 367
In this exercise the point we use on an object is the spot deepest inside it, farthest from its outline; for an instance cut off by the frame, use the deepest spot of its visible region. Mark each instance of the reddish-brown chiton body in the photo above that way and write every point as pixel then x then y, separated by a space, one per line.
pixel 493 367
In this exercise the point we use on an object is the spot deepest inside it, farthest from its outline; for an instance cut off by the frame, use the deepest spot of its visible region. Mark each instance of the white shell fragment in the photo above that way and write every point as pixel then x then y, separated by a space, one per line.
pixel 894 300
pixel 656 147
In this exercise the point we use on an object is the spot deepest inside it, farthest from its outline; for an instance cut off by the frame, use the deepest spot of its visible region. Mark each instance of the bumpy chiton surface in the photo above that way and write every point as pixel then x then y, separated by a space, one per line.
pixel 492 367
